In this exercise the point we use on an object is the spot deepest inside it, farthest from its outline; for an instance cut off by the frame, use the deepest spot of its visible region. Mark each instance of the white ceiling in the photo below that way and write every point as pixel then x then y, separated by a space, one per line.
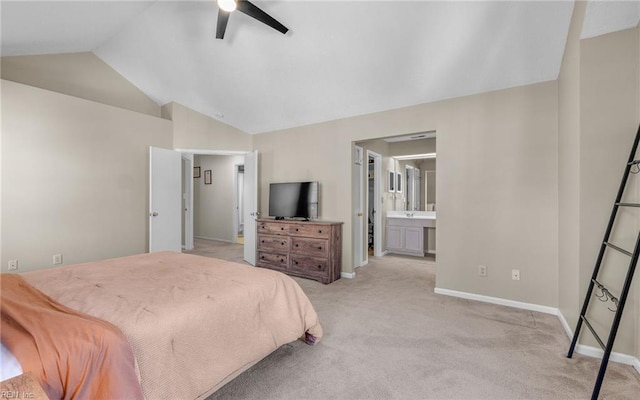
pixel 339 59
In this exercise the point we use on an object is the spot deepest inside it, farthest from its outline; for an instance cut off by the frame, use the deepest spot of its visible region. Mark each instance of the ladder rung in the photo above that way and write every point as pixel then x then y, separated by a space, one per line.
pixel 593 332
pixel 628 204
pixel 634 162
pixel 623 251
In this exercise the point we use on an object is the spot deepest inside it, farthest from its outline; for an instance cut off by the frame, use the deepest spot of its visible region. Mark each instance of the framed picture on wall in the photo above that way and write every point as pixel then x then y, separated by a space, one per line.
pixel 207 177
pixel 399 183
pixel 391 181
pixel 196 172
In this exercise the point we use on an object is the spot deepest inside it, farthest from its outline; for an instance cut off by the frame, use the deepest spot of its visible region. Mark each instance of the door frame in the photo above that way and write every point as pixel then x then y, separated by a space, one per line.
pixel 377 203
pixel 202 152
pixel 236 200
pixel 187 198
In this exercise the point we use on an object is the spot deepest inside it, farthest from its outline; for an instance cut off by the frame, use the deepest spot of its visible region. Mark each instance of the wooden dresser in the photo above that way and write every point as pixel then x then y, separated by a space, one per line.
pixel 309 249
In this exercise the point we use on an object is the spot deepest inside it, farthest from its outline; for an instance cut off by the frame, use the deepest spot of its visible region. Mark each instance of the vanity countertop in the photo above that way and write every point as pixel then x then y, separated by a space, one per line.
pixel 412 214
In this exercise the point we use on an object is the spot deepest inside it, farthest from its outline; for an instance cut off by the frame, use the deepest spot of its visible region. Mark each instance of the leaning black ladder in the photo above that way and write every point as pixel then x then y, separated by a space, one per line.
pixel 618 302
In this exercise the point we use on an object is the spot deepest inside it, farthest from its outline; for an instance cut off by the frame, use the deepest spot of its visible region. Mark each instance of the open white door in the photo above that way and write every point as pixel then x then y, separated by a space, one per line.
pixel 359 226
pixel 165 204
pixel 250 206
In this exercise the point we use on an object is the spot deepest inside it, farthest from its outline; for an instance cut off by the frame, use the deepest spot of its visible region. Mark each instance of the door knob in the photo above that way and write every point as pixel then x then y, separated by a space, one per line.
pixel 155 214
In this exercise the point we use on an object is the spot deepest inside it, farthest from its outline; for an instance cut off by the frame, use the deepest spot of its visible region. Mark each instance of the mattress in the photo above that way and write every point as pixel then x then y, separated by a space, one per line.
pixel 194 323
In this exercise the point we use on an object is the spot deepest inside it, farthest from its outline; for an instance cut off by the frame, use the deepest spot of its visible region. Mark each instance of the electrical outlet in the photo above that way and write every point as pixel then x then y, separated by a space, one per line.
pixel 57 259
pixel 482 270
pixel 13 265
pixel 515 274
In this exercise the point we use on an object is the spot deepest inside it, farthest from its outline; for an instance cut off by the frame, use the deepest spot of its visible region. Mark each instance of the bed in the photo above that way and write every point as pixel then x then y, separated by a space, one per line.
pixel 190 323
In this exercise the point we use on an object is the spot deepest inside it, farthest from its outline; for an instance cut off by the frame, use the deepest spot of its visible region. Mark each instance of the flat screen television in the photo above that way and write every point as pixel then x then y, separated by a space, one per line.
pixel 293 200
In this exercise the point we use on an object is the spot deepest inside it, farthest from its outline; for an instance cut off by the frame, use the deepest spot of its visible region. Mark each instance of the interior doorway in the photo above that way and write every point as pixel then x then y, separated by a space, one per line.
pixel 243 199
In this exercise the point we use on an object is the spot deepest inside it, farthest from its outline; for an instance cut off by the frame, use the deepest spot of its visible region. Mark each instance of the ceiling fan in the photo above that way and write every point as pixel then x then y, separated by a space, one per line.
pixel 246 7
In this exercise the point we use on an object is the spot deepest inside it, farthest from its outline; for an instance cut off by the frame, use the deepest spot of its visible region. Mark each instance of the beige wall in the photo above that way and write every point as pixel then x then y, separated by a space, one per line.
pixel 569 172
pixel 82 75
pixel 193 130
pixel 637 280
pixel 599 113
pixel 213 204
pixel 74 177
pixel 495 208
pixel 609 118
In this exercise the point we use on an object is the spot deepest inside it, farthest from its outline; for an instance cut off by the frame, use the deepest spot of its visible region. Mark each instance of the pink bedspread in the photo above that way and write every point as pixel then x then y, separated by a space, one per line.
pixel 72 355
pixel 194 323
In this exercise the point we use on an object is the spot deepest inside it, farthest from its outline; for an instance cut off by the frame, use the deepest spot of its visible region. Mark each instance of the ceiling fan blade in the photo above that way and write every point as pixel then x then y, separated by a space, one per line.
pixel 223 18
pixel 253 11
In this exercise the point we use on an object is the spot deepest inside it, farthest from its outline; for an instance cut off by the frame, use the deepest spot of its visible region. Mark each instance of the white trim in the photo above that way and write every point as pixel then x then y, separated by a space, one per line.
pixel 589 351
pixel 595 352
pixel 377 203
pixel 363 264
pixel 213 152
pixel 565 325
pixel 497 300
pixel 348 275
pixel 187 184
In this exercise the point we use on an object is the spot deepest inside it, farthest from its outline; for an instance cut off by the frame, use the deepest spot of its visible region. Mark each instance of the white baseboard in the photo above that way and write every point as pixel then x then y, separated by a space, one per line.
pixel 348 275
pixel 497 300
pixel 589 351
pixel 597 352
pixel 565 325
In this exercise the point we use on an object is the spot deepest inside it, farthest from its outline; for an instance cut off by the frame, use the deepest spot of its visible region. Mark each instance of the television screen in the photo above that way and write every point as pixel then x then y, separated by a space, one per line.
pixel 293 200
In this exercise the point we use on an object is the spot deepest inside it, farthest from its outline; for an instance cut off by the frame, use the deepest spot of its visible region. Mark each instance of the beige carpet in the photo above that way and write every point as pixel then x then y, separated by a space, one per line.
pixel 388 336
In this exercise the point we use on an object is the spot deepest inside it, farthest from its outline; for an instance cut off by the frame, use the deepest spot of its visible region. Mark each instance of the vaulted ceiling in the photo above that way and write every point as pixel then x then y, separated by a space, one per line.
pixel 339 59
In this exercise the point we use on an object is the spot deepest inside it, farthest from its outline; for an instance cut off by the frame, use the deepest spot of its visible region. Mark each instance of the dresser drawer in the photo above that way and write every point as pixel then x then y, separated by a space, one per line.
pixel 273 228
pixel 273 242
pixel 314 231
pixel 309 264
pixel 273 260
pixel 310 247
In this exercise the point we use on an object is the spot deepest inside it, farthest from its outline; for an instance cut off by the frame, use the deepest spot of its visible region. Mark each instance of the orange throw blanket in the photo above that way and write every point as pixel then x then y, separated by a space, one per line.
pixel 73 355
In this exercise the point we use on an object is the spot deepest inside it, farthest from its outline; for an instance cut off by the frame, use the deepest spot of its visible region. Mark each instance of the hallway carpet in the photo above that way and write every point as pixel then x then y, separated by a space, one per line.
pixel 388 336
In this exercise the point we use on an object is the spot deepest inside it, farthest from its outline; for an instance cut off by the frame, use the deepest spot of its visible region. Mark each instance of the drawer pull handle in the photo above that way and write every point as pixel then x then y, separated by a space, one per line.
pixel 282 243
pixel 319 247
pixel 281 260
pixel 297 229
pixel 320 231
pixel 296 245
pixel 282 228
pixel 296 262
pixel 263 241
pixel 319 266
pixel 262 257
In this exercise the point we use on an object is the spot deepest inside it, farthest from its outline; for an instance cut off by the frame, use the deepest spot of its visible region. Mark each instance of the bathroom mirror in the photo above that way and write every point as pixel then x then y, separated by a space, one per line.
pixel 415 182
